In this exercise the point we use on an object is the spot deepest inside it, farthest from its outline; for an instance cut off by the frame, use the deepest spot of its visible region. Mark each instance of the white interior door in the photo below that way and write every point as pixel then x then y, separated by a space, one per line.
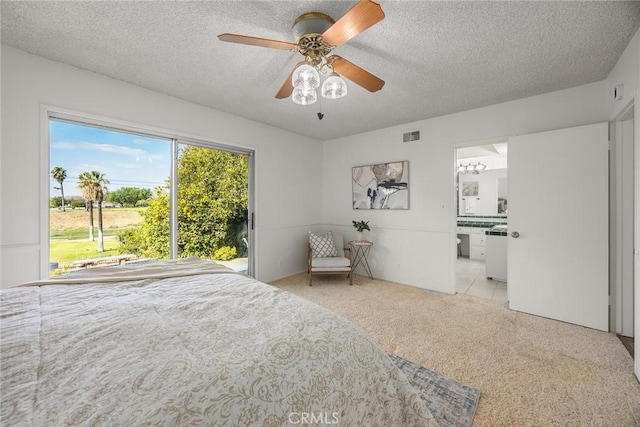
pixel 558 204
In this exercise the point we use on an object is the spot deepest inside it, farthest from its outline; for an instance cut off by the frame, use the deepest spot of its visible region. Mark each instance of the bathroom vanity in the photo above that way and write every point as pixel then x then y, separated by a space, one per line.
pixel 496 253
pixel 472 234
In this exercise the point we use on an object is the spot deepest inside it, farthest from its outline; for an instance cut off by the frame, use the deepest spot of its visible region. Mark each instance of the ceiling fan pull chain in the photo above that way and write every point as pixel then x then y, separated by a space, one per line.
pixel 320 115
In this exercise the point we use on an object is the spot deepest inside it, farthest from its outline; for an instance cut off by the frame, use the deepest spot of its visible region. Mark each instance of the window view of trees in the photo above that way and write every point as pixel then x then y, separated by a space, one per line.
pixel 212 209
pixel 129 196
pixel 133 221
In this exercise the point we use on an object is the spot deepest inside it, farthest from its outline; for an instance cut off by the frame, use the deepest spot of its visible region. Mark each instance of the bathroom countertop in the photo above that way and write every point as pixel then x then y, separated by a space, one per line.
pixel 476 224
pixel 497 230
pixel 481 221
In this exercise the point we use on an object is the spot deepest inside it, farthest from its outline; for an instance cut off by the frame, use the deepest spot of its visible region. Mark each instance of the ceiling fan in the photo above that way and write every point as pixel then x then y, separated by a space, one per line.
pixel 317 34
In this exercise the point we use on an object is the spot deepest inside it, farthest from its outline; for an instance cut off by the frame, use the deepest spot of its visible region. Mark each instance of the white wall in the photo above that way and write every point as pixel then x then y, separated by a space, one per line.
pixel 417 246
pixel 287 205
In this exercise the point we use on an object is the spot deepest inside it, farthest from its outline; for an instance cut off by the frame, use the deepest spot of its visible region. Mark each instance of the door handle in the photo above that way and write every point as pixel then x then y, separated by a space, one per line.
pixel 515 234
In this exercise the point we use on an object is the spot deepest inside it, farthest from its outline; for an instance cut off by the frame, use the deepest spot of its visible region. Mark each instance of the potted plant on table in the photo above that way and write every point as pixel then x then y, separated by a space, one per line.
pixel 360 226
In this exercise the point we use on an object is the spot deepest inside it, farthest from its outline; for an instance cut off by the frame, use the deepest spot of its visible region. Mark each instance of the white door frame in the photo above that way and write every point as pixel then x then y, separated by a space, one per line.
pixel 622 213
pixel 636 226
pixel 454 200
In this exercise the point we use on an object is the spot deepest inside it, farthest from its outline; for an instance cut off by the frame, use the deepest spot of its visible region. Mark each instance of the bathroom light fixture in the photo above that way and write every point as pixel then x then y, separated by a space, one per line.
pixel 474 168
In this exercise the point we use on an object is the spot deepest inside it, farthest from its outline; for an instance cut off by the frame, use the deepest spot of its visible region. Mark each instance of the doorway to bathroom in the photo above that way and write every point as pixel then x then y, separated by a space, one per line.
pixel 482 207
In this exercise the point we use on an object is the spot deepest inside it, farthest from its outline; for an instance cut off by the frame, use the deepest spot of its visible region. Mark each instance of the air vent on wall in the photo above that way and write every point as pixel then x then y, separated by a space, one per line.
pixel 411 136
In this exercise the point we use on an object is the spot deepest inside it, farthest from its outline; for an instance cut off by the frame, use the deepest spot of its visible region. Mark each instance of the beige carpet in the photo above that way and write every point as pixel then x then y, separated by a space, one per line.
pixel 531 371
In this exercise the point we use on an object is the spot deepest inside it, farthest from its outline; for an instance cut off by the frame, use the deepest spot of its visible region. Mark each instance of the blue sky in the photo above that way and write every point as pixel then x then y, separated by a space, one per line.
pixel 127 160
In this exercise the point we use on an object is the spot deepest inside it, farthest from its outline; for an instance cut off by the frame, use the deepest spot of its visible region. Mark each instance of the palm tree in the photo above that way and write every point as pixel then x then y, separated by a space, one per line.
pixel 60 174
pixel 85 183
pixel 101 193
pixel 93 186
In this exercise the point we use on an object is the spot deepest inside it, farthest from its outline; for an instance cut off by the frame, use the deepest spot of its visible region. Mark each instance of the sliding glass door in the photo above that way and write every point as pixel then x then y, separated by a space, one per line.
pixel 119 196
pixel 212 203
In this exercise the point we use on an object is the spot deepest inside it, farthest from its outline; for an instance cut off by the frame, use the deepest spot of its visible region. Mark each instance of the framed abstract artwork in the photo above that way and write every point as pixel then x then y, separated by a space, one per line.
pixel 381 186
pixel 470 188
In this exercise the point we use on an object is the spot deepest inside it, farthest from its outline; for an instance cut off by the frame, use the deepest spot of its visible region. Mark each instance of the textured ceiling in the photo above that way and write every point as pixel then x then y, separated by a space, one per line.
pixel 436 57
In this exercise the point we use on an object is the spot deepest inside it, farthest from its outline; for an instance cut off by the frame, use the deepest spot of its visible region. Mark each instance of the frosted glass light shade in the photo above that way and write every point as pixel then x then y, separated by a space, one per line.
pixel 473 168
pixel 334 87
pixel 306 75
pixel 303 95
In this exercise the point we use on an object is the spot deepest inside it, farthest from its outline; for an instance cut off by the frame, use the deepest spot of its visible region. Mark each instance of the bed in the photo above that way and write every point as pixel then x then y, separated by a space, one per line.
pixel 189 342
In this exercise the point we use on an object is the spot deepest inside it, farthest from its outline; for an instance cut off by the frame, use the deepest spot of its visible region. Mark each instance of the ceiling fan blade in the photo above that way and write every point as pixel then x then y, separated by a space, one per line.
pixel 257 41
pixel 356 74
pixel 287 88
pixel 360 17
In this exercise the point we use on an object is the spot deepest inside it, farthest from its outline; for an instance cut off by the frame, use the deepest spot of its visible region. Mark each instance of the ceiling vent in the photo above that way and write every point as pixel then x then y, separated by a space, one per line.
pixel 411 136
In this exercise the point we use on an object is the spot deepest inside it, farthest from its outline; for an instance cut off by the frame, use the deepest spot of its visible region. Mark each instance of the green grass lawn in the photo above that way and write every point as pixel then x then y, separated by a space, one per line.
pixel 67 251
pixel 80 233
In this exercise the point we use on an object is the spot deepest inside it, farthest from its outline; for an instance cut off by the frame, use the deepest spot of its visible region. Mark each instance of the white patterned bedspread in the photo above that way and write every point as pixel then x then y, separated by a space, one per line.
pixel 203 349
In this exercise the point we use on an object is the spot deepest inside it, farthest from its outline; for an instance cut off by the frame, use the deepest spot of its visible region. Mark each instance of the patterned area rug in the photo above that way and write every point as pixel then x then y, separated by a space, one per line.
pixel 451 403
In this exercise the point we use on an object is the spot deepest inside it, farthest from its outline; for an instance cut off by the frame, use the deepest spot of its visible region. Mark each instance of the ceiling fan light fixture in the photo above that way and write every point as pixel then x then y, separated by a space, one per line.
pixel 316 35
pixel 334 87
pixel 304 95
pixel 305 76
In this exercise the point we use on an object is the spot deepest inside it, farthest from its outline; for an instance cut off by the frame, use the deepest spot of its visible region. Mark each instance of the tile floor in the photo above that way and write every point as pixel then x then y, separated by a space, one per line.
pixel 471 280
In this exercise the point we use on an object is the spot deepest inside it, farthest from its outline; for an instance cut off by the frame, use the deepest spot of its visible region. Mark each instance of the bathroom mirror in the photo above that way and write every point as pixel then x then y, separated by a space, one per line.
pixel 483 194
pixel 503 206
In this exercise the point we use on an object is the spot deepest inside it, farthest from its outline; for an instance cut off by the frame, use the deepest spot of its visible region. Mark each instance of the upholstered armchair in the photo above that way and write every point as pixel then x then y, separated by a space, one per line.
pixel 327 254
